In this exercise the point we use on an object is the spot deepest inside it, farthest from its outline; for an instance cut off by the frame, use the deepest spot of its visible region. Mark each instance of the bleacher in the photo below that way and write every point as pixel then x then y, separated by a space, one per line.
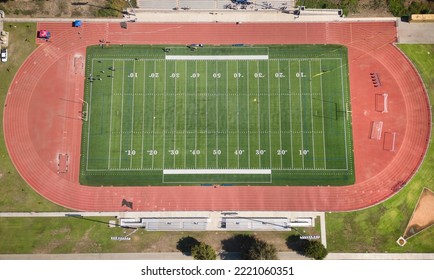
pixel 247 223
pixel 166 224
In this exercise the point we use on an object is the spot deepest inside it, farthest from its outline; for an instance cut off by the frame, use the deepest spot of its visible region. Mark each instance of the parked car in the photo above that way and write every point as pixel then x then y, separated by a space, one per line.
pixel 4 55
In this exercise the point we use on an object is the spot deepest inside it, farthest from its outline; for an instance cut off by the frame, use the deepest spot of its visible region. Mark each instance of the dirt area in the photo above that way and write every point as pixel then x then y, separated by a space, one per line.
pixel 423 216
pixel 142 241
pixel 371 8
pixel 52 8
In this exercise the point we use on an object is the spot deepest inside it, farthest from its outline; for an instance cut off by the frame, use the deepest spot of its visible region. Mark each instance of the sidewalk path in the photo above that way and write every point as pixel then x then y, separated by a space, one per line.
pixel 232 256
pixel 416 33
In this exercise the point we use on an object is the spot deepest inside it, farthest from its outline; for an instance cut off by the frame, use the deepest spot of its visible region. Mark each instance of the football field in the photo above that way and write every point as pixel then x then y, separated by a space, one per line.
pixel 177 115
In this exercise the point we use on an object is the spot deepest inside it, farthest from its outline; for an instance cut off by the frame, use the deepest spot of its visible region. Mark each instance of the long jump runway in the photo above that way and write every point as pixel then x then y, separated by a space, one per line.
pixel 43 111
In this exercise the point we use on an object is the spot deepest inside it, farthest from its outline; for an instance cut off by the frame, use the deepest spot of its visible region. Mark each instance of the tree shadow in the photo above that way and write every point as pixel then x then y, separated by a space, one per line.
pixel 185 244
pixel 227 256
pixel 237 246
pixel 296 244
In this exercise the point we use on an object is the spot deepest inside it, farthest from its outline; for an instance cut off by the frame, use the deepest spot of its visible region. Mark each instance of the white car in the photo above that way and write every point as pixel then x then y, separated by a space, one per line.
pixel 4 55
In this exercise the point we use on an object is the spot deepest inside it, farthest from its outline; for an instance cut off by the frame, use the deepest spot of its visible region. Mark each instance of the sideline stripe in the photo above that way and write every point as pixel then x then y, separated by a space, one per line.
pixel 217 171
pixel 216 57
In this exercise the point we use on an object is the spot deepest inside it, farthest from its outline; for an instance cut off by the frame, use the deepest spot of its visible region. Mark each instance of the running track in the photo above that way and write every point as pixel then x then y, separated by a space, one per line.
pixel 41 118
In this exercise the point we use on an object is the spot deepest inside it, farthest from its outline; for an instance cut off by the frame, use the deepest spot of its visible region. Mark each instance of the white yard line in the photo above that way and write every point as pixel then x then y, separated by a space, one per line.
pixel 216 171
pixel 248 115
pixel 164 113
pixel 111 120
pixel 217 116
pixel 185 118
pixel 290 113
pixel 206 114
pixel 238 115
pixel 122 114
pixel 280 118
pixel 301 113
pixel 174 119
pixel 343 110
pixel 259 114
pixel 216 57
pixel 322 113
pixel 195 133
pixel 311 113
pixel 88 120
pixel 227 114
pixel 143 113
pixel 132 115
pixel 269 112
pixel 153 121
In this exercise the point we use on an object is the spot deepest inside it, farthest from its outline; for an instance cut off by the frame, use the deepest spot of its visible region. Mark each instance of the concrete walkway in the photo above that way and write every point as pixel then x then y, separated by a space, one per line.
pixel 380 256
pixel 416 33
pixel 229 256
pixel 210 16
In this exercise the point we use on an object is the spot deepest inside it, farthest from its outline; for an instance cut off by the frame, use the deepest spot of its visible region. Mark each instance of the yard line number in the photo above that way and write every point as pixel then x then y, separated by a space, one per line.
pixel 300 75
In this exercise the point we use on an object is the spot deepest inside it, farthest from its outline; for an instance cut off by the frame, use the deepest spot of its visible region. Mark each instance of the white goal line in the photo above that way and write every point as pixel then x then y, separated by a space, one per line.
pixel 217 171
pixel 216 57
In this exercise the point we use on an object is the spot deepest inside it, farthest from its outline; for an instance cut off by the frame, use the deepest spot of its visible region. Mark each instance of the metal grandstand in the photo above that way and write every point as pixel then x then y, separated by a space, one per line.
pixel 223 223
pixel 166 224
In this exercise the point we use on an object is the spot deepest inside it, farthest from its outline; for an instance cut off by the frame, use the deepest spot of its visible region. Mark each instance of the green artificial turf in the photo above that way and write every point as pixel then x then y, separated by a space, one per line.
pixel 269 115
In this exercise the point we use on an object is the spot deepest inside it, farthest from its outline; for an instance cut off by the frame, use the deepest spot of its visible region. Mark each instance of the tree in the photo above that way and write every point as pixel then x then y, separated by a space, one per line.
pixel 397 7
pixel 261 250
pixel 316 250
pixel 203 251
pixel 186 244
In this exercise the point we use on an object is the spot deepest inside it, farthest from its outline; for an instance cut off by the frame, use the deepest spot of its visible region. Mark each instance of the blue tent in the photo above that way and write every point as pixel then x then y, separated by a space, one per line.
pixel 77 23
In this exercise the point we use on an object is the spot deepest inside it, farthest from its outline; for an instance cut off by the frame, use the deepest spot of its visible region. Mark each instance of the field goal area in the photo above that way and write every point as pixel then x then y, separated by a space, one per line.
pixel 173 115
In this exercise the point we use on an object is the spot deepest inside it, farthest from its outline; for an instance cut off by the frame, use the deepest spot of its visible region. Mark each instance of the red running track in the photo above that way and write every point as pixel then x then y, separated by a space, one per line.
pixel 42 117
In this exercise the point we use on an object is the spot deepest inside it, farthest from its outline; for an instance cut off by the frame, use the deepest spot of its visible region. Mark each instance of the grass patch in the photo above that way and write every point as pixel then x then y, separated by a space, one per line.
pixel 376 229
pixel 93 235
pixel 347 6
pixel 16 194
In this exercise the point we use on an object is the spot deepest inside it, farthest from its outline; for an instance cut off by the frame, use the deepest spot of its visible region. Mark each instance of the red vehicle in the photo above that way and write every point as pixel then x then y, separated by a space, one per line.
pixel 44 34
